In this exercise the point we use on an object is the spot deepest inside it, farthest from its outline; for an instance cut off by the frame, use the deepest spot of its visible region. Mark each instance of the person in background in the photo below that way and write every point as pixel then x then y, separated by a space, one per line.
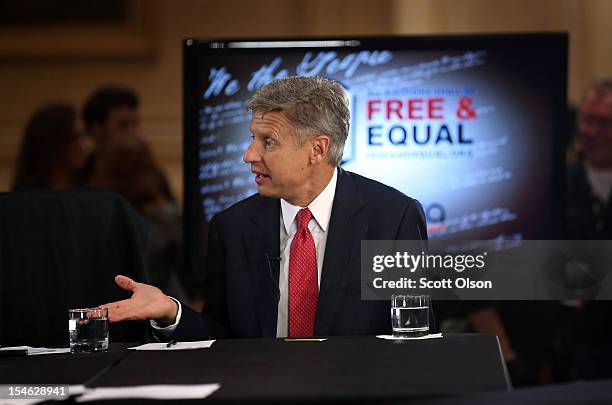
pixel 589 217
pixel 590 178
pixel 53 154
pixel 123 162
pixel 112 113
pixel 126 166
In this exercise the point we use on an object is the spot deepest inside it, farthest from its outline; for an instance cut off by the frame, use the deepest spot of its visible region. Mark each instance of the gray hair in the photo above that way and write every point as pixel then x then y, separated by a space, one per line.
pixel 313 105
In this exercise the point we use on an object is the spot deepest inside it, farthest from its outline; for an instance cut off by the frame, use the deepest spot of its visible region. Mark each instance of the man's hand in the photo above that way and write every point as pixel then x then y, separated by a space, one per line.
pixel 146 302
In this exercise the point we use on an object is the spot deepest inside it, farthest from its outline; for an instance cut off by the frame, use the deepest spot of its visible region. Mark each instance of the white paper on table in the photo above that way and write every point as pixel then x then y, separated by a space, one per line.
pixel 178 391
pixel 391 337
pixel 44 350
pixel 38 350
pixel 76 389
pixel 201 344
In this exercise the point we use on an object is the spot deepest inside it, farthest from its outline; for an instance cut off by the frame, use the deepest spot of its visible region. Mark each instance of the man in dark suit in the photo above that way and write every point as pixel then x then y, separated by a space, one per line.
pixel 286 261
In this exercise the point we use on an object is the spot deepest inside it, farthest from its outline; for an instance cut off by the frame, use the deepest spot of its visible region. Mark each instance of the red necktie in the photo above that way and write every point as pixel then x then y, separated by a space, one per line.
pixel 303 285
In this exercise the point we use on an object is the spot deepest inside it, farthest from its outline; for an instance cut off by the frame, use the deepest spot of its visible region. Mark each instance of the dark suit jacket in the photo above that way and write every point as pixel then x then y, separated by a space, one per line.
pixel 241 282
pixel 61 250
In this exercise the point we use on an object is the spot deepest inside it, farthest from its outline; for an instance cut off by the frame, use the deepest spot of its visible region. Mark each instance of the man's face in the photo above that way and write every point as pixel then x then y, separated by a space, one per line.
pixel 122 122
pixel 281 168
pixel 595 128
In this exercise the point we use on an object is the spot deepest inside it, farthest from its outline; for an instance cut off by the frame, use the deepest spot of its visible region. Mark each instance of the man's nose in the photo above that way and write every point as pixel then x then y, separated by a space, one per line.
pixel 251 155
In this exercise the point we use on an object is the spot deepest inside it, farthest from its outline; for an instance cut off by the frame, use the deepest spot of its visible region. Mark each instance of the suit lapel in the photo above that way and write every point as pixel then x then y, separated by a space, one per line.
pixel 347 227
pixel 261 238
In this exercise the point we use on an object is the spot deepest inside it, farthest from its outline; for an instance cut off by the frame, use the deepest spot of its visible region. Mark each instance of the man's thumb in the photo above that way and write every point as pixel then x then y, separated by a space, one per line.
pixel 125 282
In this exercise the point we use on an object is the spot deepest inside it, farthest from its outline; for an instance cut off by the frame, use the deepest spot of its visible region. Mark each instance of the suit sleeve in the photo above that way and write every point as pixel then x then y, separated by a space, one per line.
pixel 213 322
pixel 413 225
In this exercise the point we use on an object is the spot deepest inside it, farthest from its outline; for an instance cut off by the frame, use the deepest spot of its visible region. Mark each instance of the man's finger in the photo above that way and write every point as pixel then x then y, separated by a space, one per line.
pixel 125 282
pixel 119 311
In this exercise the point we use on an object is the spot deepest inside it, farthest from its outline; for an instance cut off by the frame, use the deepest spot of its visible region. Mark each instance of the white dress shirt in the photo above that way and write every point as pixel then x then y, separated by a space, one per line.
pixel 320 208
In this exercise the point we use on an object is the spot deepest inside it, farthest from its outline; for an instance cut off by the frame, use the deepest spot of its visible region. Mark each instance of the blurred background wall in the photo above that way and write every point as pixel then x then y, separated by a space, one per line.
pixel 42 62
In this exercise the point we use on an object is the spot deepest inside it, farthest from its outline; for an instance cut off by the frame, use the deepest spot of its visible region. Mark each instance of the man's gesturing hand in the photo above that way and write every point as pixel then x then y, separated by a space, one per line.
pixel 146 302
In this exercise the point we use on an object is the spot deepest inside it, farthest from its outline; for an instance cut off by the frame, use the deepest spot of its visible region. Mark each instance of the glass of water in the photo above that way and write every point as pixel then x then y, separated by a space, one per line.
pixel 409 315
pixel 88 329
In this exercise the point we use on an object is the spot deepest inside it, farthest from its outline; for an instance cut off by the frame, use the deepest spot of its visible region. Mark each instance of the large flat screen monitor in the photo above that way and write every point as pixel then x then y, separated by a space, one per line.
pixel 472 126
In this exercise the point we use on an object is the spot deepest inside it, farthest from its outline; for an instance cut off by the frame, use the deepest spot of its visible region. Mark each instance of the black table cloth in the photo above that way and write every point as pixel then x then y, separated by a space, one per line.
pixel 340 368
pixel 60 369
pixel 364 369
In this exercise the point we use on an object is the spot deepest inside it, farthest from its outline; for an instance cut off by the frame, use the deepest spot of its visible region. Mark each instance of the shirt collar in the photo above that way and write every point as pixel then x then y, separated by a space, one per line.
pixel 601 181
pixel 320 207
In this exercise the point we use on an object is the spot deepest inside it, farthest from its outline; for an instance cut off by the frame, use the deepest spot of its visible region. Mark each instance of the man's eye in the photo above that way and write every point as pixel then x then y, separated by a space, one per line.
pixel 269 142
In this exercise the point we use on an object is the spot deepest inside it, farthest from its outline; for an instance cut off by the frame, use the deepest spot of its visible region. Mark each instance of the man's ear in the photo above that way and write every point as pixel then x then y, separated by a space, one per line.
pixel 320 148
